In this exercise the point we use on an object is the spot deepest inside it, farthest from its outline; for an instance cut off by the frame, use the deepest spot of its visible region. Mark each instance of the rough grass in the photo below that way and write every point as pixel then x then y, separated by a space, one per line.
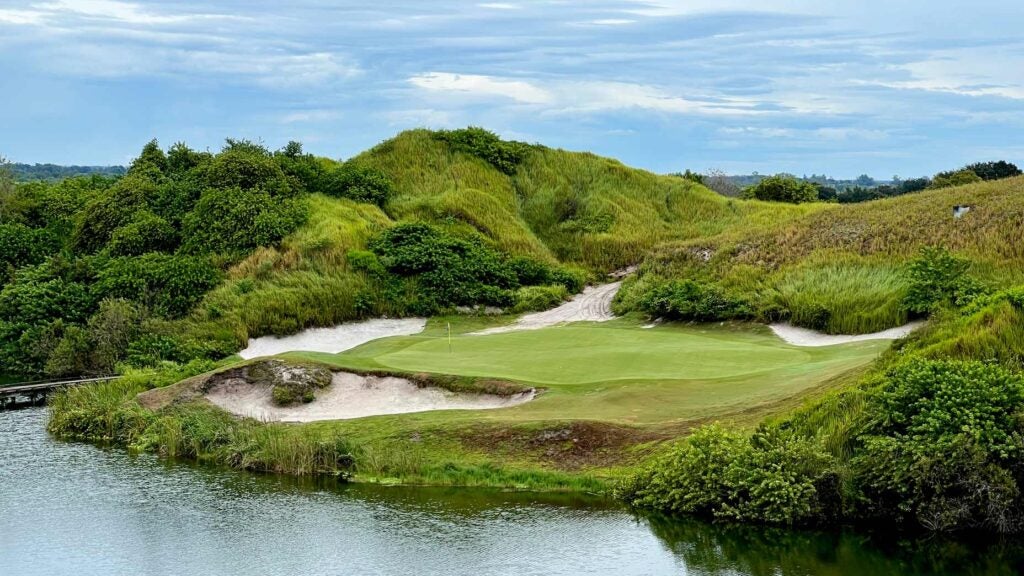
pixel 844 297
pixel 845 263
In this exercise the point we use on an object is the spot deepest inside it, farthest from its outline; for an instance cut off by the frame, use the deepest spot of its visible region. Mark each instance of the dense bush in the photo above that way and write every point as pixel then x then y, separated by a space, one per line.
pixel 955 178
pixel 449 271
pixel 22 246
pixel 170 285
pixel 690 300
pixel 238 220
pixel 503 155
pixel 772 477
pixel 359 183
pixel 146 232
pixel 994 170
pixel 782 188
pixel 97 221
pixel 937 278
pixel 945 447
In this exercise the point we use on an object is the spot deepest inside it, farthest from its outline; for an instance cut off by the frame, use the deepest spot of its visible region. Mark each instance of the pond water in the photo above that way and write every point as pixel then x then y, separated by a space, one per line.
pixel 76 509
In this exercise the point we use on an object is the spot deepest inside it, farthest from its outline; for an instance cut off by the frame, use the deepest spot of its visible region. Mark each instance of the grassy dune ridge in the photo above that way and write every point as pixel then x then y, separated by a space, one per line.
pixel 841 269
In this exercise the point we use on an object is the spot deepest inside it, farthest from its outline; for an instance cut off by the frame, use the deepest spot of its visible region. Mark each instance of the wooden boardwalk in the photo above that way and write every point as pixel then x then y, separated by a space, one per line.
pixel 34 393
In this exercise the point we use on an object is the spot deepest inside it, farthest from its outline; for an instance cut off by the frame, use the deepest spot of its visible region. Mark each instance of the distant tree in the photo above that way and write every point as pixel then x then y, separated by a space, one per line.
pixel 8 191
pixel 691 176
pixel 782 188
pixel 864 180
pixel 914 185
pixel 957 178
pixel 994 170
pixel 720 182
pixel 826 193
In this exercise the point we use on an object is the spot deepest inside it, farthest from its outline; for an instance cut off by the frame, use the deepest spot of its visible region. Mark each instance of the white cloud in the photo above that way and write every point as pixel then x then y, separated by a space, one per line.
pixel 499 6
pixel 479 85
pixel 560 97
pixel 126 12
pixel 309 116
pixel 21 17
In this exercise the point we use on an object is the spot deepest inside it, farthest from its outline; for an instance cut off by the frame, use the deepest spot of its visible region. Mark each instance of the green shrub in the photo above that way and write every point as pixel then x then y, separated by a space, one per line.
pixel 238 220
pixel 114 208
pixel 448 270
pixel 782 188
pixel 945 445
pixel 957 178
pixel 939 278
pixel 773 477
pixel 505 156
pixel 171 285
pixel 536 298
pixel 359 183
pixel 146 232
pixel 689 300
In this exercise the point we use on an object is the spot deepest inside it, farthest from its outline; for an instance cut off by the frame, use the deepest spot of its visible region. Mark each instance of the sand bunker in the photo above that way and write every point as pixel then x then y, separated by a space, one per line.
pixel 333 340
pixel 353 396
pixel 594 304
pixel 805 337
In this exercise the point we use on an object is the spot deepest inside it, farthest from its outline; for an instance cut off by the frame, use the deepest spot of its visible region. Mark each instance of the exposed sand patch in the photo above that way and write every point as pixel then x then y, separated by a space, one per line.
pixel 806 337
pixel 594 304
pixel 335 339
pixel 353 396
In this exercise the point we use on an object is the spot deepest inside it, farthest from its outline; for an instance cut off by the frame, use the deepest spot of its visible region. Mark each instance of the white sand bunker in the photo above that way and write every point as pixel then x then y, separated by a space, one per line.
pixel 806 337
pixel 594 304
pixel 353 396
pixel 333 340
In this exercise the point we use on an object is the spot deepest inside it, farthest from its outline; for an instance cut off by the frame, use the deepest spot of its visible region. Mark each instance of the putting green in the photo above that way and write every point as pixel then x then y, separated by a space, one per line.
pixel 619 371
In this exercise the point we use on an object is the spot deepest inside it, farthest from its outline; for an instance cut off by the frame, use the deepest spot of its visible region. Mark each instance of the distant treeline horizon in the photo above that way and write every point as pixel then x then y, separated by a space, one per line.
pixel 49 172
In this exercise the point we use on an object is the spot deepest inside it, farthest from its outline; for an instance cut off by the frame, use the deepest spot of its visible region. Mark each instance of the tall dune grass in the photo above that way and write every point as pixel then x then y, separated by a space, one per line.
pixel 844 298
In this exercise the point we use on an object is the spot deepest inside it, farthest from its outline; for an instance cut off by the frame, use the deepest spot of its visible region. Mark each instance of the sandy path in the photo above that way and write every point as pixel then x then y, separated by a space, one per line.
pixel 805 337
pixel 353 396
pixel 335 339
pixel 594 304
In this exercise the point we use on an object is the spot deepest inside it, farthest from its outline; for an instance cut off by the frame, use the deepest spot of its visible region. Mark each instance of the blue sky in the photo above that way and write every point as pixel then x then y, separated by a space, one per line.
pixel 904 87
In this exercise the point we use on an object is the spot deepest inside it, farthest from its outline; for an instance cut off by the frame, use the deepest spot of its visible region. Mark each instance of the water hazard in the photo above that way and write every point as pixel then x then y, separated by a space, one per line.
pixel 76 509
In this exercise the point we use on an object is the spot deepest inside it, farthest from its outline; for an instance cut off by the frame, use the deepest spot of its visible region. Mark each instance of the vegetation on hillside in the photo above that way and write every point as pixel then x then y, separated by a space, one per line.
pixel 176 264
pixel 930 438
pixel 844 269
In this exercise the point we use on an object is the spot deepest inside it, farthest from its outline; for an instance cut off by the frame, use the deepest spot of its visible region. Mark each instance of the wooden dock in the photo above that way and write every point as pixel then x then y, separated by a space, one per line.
pixel 34 393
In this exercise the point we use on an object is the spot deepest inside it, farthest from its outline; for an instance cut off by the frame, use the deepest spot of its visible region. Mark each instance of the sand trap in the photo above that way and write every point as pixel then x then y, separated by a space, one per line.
pixel 594 304
pixel 353 396
pixel 805 337
pixel 333 340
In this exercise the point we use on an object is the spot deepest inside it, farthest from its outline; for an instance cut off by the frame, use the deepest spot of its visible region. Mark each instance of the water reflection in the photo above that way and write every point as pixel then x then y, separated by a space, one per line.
pixel 76 509
pixel 759 551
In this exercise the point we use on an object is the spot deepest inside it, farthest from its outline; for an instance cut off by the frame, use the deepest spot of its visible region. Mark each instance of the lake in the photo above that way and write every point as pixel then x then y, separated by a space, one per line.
pixel 77 509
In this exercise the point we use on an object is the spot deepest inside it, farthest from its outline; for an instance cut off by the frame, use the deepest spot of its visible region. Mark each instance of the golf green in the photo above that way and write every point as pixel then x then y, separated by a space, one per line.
pixel 621 371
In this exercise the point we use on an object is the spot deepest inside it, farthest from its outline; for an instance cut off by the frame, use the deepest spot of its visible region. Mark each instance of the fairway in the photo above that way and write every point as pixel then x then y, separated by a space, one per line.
pixel 619 371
